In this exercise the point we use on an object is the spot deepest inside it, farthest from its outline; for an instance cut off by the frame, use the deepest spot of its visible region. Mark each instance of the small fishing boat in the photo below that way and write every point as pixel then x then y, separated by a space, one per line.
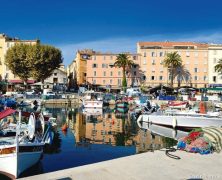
pixel 92 99
pixel 22 151
pixel 182 120
pixel 177 104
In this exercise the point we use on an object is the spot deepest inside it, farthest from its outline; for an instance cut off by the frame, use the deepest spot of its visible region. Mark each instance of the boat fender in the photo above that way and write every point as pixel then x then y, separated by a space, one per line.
pixel 174 122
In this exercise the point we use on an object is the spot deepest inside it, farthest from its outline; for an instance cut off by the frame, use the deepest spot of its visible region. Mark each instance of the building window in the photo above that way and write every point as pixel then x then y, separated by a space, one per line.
pixel 104 57
pixel 195 78
pixel 153 54
pixel 161 61
pixel 153 62
pixel 111 73
pixel 196 54
pixel 103 65
pixel 195 70
pixel 94 58
pixel 104 73
pixel 187 54
pixel 144 54
pixel 104 81
pixel 152 78
pixel 143 77
pixel 161 54
pixel 214 78
pixel 161 78
pixel 205 70
pixel 205 78
pixel 119 82
pixel 110 81
pixel 94 73
pixel 144 61
pixel 134 66
pixel 119 73
pixel 55 74
pixel 94 81
pixel 94 65
pixel 134 73
pixel 134 58
pixel 111 57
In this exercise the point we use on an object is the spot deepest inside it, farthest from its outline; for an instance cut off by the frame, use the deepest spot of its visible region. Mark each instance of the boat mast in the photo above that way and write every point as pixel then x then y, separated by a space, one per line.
pixel 17 142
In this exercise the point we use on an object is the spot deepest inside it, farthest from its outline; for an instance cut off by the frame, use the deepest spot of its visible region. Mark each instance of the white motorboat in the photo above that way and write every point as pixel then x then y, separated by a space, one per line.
pixel 25 149
pixel 92 99
pixel 183 120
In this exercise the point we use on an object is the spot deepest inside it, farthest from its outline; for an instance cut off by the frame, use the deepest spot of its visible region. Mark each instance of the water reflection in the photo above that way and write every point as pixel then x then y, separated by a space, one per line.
pixel 94 136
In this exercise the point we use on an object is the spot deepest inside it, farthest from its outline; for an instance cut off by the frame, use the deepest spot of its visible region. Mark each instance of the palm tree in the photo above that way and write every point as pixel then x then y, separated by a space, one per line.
pixel 172 61
pixel 123 61
pixel 182 74
pixel 218 67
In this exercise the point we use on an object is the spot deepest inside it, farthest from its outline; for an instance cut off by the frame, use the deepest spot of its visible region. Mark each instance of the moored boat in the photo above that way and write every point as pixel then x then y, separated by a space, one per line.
pixel 181 120
pixel 92 99
pixel 20 152
pixel 177 104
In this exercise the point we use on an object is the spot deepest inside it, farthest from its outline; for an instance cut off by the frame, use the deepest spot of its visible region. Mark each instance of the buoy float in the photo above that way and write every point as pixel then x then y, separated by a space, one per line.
pixel 64 127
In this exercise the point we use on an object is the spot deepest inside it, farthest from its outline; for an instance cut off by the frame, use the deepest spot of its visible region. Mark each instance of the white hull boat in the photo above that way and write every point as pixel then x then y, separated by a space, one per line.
pixel 181 121
pixel 92 99
pixel 22 151
pixel 13 164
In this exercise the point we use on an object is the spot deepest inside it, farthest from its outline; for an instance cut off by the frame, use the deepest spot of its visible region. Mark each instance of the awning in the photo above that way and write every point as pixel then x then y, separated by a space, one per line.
pixel 21 81
pixel 6 113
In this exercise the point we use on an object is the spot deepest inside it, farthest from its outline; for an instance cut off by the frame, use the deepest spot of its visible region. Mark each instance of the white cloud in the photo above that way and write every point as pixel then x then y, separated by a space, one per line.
pixel 117 45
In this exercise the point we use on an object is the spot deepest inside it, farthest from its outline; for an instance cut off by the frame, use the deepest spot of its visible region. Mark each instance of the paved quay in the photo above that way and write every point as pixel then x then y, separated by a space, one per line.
pixel 149 165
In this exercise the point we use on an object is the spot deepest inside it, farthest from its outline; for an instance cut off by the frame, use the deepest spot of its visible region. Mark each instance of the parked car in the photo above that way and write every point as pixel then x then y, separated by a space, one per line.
pixel 50 93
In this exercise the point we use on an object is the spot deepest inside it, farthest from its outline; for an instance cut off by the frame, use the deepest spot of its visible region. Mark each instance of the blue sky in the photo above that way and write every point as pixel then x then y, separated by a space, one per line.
pixel 114 25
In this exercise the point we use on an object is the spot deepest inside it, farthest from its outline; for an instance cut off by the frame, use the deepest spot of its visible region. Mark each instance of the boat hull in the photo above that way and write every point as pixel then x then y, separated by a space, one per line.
pixel 14 164
pixel 183 122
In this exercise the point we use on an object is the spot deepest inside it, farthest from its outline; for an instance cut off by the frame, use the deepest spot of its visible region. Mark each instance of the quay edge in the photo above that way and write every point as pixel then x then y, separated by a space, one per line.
pixel 149 165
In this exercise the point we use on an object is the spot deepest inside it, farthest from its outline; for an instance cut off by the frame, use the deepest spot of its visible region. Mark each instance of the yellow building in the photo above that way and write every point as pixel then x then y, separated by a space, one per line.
pixel 194 57
pixel 81 61
pixel 5 43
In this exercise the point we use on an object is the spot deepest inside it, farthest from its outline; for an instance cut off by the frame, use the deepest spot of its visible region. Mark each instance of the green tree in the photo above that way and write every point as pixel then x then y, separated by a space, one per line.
pixel 17 61
pixel 45 59
pixel 181 74
pixel 123 61
pixel 218 67
pixel 172 61
pixel 36 61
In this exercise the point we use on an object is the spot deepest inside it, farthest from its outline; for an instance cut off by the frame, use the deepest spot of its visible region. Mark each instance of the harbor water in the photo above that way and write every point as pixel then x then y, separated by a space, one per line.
pixel 93 136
